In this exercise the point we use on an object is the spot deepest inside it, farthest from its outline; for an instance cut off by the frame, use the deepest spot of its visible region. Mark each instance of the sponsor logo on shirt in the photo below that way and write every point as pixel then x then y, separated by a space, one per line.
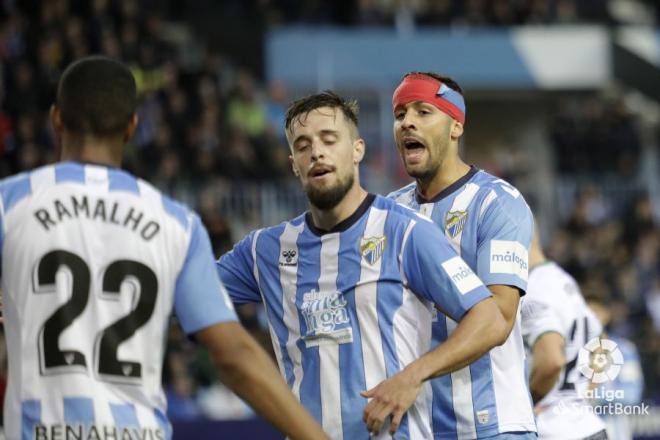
pixel 461 275
pixel 372 248
pixel 326 318
pixel 454 222
pixel 289 257
pixel 483 416
pixel 509 257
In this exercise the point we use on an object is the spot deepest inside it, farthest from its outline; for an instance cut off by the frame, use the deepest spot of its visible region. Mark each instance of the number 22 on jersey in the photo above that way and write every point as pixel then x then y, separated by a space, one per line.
pixel 106 365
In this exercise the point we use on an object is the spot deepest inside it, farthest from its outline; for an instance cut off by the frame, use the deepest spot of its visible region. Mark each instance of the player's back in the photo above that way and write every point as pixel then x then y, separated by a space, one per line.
pixel 90 262
pixel 554 303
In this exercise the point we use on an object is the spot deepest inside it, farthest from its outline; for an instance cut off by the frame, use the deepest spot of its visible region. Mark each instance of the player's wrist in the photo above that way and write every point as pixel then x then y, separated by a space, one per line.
pixel 417 372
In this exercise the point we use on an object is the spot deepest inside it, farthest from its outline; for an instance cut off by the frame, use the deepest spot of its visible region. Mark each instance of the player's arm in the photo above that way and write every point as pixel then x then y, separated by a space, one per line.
pixel 450 284
pixel 548 359
pixel 504 236
pixel 507 299
pixel 248 371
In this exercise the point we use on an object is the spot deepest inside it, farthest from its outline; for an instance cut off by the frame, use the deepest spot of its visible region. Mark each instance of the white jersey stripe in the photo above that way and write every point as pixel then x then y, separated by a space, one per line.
pixel 461 381
pixel 289 283
pixel 96 176
pixel 366 302
pixel 43 176
pixel 329 353
pixel 492 195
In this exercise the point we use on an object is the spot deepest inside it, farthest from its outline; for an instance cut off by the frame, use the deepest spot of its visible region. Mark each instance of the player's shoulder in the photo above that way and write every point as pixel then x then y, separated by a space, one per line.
pixel 399 211
pixel 499 197
pixel 404 195
pixel 273 234
pixel 13 189
pixel 549 276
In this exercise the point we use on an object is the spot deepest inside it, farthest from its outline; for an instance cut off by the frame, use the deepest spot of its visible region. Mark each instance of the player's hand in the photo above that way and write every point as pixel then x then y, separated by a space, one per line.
pixel 393 397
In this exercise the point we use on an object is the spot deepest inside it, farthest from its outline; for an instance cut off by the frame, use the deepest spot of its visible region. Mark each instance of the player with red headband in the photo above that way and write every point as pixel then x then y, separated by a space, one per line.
pixel 489 223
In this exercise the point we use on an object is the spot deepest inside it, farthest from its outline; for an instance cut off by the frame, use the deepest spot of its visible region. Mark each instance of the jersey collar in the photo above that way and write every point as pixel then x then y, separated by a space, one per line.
pixel 450 189
pixel 347 222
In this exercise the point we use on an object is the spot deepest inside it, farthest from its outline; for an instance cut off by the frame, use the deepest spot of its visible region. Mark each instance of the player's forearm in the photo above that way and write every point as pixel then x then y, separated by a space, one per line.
pixel 541 381
pixel 479 331
pixel 248 371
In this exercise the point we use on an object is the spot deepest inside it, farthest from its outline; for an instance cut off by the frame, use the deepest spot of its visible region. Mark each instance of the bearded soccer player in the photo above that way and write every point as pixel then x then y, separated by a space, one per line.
pixel 489 224
pixel 556 324
pixel 349 288
pixel 93 262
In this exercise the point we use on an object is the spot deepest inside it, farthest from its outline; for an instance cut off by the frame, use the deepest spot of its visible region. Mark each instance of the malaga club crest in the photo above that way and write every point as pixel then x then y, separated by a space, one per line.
pixel 455 221
pixel 372 248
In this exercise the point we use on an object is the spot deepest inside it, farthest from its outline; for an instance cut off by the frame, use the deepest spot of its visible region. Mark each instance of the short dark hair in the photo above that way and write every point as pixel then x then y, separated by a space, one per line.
pixel 97 95
pixel 443 79
pixel 327 98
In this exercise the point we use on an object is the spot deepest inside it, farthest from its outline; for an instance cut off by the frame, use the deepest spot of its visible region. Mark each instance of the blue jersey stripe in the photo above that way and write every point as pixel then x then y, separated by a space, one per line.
pixel 309 271
pixel 176 210
pixel 483 394
pixel 79 410
pixel 163 423
pixel 125 415
pixel 270 251
pixel 69 172
pixel 119 180
pixel 444 420
pixel 13 190
pixel 350 355
pixel 30 417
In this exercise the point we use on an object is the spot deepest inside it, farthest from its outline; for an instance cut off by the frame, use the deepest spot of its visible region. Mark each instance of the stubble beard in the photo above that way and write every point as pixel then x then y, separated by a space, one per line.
pixel 328 198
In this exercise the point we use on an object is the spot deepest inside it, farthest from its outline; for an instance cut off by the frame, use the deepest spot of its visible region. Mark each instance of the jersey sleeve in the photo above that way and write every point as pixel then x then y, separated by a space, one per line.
pixel 236 270
pixel 504 237
pixel 434 271
pixel 538 318
pixel 200 300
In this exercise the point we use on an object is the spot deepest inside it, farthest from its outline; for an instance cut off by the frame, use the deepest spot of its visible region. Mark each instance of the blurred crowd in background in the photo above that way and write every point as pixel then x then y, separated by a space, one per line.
pixel 207 129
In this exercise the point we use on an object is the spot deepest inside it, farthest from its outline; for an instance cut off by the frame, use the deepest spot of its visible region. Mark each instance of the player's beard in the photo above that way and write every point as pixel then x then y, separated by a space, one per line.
pixel 327 198
pixel 426 172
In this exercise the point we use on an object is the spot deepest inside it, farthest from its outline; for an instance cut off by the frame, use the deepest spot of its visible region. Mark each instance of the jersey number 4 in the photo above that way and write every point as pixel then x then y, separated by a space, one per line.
pixel 53 360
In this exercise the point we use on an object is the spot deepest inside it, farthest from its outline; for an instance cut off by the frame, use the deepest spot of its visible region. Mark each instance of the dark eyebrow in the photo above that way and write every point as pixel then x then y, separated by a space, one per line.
pixel 328 131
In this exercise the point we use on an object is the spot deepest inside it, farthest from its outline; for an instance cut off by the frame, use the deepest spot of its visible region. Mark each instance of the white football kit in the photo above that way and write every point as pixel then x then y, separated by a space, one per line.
pixel 554 303
pixel 94 261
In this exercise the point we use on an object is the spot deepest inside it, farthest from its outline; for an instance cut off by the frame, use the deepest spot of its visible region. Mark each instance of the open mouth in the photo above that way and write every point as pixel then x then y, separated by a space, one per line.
pixel 413 144
pixel 320 171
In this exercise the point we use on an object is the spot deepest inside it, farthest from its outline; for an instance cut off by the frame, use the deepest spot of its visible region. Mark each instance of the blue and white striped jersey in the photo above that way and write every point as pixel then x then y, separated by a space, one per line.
pixel 93 262
pixel 490 225
pixel 351 307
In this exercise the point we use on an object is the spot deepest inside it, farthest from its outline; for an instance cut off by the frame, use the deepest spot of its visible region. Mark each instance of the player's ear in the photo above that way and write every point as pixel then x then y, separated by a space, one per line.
pixel 359 148
pixel 293 166
pixel 456 130
pixel 132 126
pixel 56 119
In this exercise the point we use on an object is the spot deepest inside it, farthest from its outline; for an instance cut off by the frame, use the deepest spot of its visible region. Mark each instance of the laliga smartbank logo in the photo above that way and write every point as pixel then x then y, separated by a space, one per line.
pixel 600 360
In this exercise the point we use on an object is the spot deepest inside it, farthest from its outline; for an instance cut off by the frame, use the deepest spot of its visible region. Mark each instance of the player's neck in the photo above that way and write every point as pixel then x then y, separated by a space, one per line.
pixel 326 220
pixel 92 149
pixel 451 169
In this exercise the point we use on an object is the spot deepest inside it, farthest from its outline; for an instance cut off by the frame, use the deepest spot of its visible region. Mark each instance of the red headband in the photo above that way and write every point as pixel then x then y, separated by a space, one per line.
pixel 419 87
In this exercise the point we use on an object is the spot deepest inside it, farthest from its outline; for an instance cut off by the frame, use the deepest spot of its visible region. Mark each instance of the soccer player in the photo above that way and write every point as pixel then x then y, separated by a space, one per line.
pixel 556 324
pixel 349 288
pixel 93 262
pixel 489 224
